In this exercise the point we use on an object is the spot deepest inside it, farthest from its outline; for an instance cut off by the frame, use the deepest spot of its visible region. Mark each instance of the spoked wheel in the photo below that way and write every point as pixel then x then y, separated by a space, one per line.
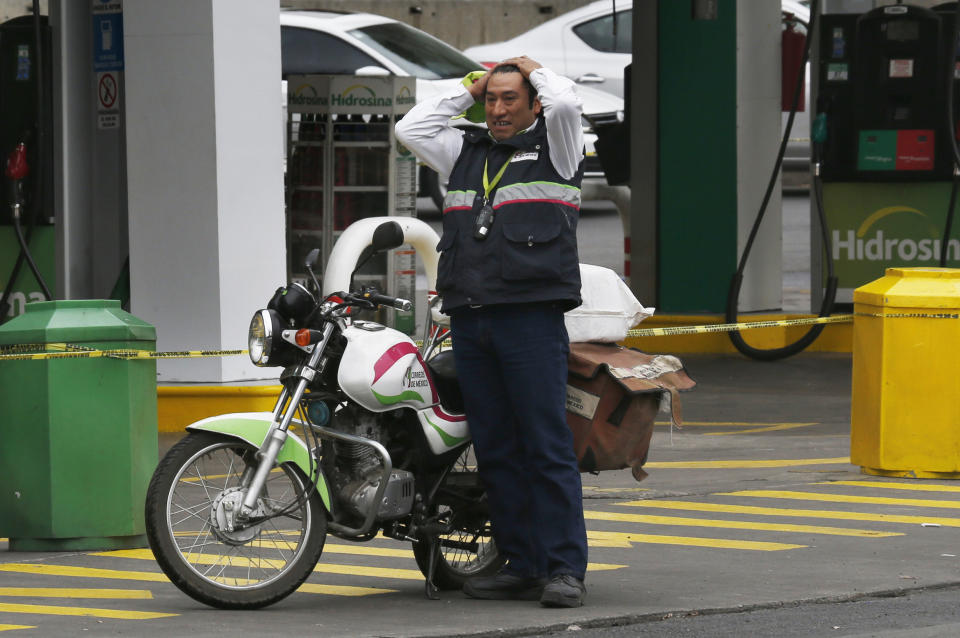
pixel 467 549
pixel 210 554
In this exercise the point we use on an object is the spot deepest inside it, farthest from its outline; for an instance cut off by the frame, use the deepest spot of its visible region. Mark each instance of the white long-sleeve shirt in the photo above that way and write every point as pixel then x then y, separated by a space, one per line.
pixel 426 129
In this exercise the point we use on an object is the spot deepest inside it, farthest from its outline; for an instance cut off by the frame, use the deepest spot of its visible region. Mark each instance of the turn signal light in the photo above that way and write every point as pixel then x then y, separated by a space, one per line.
pixel 302 337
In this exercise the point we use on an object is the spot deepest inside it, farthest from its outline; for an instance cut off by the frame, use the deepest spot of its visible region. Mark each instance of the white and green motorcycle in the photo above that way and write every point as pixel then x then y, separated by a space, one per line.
pixel 367 437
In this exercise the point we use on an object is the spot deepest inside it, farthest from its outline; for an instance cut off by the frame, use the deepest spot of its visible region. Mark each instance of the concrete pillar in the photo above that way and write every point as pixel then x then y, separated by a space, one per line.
pixel 758 136
pixel 205 181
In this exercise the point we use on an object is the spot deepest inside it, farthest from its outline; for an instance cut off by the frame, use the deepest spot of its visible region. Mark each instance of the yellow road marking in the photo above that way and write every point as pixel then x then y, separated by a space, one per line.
pixel 11 627
pixel 614 490
pixel 328 548
pixel 796 513
pixel 721 524
pixel 341 590
pixel 53 610
pixel 715 543
pixel 727 424
pixel 84 572
pixel 89 572
pixel 62 592
pixel 916 487
pixel 326 568
pixel 713 465
pixel 846 498
pixel 627 539
pixel 769 428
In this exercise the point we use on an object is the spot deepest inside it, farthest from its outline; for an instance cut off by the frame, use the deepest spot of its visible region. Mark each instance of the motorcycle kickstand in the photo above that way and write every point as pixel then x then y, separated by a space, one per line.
pixel 430 588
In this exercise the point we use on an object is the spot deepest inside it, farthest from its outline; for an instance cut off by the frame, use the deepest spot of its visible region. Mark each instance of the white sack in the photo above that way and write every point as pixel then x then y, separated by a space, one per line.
pixel 609 308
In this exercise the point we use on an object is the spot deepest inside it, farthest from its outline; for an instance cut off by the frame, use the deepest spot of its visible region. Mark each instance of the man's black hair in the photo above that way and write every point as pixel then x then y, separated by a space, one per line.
pixel 513 68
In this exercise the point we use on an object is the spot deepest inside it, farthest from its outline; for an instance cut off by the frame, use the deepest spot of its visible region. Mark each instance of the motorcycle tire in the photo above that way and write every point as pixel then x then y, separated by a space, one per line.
pixel 212 561
pixel 468 550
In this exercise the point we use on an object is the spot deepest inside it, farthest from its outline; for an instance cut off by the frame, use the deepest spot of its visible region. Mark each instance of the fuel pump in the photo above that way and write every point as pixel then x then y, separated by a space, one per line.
pixel 25 142
pixel 885 80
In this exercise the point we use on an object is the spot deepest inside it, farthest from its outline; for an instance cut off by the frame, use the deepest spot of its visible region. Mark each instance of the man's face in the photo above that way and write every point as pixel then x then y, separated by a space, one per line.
pixel 508 105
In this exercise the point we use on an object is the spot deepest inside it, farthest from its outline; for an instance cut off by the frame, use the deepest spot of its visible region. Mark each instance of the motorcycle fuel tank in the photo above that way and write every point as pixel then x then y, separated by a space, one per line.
pixel 382 370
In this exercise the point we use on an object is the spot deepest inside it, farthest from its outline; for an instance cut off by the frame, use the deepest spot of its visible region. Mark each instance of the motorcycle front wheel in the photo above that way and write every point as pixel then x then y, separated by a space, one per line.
pixel 468 549
pixel 212 557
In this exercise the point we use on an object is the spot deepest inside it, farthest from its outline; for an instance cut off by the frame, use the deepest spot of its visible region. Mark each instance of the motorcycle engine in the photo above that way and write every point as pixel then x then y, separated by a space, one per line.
pixel 359 468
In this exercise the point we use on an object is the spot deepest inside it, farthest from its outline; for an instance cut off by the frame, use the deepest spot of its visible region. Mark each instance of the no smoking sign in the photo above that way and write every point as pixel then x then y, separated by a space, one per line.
pixel 108 99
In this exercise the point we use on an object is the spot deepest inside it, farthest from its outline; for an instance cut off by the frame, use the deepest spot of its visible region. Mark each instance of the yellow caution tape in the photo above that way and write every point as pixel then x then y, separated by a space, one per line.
pixel 71 351
pixel 20 352
pixel 730 327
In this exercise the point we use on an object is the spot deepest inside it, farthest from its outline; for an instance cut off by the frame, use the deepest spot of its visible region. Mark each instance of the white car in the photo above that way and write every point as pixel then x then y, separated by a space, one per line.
pixel 581 44
pixel 333 43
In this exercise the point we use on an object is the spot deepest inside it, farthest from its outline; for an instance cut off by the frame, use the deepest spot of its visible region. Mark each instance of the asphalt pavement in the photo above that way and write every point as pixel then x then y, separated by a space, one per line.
pixel 751 507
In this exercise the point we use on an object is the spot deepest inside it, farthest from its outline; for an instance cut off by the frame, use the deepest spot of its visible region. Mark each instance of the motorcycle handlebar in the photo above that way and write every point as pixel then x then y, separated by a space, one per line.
pixel 386 300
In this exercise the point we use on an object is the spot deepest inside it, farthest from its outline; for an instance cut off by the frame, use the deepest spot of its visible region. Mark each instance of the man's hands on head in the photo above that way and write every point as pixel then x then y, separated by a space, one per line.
pixel 479 87
pixel 525 64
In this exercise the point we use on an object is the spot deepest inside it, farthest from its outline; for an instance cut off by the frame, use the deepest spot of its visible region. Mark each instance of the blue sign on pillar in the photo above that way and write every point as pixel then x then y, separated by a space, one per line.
pixel 107 35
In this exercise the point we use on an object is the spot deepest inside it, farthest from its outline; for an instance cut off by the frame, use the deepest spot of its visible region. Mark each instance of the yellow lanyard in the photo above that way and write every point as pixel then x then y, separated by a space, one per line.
pixel 487 184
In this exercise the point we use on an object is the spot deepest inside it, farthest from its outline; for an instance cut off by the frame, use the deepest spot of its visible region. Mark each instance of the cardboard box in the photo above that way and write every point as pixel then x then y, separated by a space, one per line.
pixel 613 396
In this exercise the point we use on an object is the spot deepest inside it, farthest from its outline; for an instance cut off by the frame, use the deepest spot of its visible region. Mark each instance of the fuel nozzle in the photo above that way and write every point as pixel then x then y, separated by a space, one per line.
pixel 16 171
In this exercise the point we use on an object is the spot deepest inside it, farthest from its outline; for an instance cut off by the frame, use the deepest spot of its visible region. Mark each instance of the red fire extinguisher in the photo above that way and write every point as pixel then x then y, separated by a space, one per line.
pixel 792 39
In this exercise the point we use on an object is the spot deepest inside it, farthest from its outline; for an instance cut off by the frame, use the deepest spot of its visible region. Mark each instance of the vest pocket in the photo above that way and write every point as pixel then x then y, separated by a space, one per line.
pixel 534 250
pixel 446 267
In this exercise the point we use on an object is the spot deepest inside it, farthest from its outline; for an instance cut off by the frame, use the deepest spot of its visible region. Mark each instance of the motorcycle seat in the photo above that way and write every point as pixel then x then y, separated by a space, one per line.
pixel 444 375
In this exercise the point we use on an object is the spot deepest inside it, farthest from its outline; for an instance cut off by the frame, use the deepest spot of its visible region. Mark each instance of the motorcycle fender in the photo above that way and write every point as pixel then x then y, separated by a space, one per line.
pixel 252 427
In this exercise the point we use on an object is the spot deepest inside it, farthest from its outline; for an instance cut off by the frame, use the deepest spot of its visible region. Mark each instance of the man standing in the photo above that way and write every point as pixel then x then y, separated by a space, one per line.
pixel 508 271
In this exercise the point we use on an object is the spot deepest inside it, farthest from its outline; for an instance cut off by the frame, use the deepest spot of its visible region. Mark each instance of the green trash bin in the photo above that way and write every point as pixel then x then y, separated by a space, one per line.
pixel 78 436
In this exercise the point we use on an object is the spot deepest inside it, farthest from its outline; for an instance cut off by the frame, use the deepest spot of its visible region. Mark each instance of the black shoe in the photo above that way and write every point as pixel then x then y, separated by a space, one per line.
pixel 504 586
pixel 563 591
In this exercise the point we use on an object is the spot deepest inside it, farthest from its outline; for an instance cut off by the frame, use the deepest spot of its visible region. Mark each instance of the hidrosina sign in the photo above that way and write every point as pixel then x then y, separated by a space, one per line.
pixel 877 226
pixel 349 94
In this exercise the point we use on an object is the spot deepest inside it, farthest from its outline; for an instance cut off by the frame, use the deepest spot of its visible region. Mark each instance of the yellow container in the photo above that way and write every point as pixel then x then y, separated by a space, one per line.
pixel 905 409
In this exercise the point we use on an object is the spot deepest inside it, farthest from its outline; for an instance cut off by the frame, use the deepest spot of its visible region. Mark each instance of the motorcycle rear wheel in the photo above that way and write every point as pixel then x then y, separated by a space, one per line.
pixel 468 550
pixel 194 486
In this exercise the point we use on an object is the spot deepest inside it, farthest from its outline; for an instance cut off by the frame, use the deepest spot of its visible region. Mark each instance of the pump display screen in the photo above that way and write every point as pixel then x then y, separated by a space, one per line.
pixel 903 30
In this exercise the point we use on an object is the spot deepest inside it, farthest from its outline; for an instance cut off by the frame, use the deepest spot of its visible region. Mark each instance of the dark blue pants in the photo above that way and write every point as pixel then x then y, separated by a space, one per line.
pixel 512 364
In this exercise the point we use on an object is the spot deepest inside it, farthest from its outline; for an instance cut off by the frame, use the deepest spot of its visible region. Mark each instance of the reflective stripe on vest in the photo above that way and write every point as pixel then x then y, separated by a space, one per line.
pixel 459 200
pixel 529 192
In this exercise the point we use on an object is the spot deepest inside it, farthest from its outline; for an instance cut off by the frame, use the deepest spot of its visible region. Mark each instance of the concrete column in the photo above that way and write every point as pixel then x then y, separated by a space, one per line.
pixel 758 137
pixel 205 181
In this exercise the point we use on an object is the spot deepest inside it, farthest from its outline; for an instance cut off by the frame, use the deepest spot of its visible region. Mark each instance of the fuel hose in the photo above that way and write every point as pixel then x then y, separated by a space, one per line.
pixel 772 354
pixel 952 134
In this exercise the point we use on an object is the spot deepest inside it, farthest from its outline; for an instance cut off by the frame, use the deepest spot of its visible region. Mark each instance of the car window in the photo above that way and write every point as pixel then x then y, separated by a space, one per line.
pixel 310 51
pixel 598 33
pixel 414 51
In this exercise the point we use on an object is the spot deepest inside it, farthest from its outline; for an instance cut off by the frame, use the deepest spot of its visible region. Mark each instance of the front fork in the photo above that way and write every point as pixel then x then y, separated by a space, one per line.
pixel 277 435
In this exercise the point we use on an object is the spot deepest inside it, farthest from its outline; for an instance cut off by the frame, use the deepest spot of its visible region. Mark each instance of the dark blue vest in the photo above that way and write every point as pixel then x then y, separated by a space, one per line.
pixel 530 252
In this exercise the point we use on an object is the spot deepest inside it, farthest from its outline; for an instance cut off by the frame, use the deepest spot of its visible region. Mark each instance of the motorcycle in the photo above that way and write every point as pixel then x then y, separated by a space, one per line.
pixel 367 437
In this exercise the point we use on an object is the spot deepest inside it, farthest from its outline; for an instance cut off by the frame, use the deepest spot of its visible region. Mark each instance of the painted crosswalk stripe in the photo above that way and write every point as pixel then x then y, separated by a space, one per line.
pixel 92 572
pixel 915 487
pixel 12 627
pixel 743 464
pixel 694 541
pixel 63 592
pixel 722 524
pixel 792 513
pixel 55 610
pixel 326 568
pixel 597 538
pixel 845 498
pixel 43 569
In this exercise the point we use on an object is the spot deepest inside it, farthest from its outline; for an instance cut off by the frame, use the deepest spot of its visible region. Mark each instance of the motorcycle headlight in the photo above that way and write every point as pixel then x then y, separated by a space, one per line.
pixel 263 338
